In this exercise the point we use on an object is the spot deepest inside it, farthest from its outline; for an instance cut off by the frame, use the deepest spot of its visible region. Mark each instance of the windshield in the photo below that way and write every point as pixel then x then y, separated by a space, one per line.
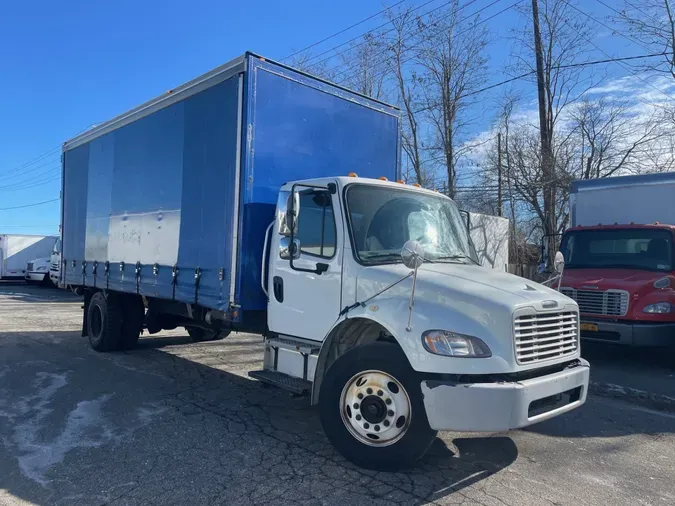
pixel 382 219
pixel 644 249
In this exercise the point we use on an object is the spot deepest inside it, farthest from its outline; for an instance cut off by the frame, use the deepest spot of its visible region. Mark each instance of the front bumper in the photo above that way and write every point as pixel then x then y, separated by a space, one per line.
pixel 629 333
pixel 36 276
pixel 496 407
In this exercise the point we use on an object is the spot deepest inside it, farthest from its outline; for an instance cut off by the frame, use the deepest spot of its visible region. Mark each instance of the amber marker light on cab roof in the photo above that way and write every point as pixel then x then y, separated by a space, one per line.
pixel 382 178
pixel 352 174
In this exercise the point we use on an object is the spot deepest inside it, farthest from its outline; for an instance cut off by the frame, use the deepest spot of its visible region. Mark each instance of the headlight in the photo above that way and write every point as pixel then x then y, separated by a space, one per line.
pixel 42 268
pixel 452 344
pixel 658 308
pixel 662 283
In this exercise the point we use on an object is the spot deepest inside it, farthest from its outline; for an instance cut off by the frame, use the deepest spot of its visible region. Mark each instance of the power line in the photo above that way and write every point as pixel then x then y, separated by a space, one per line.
pixel 29 226
pixel 382 53
pixel 35 177
pixel 571 65
pixel 344 30
pixel 29 205
pixel 44 155
pixel 606 54
pixel 469 2
pixel 31 162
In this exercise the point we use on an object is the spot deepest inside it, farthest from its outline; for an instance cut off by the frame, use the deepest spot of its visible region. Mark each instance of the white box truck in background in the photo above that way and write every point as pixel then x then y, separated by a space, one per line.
pixel 490 236
pixel 17 250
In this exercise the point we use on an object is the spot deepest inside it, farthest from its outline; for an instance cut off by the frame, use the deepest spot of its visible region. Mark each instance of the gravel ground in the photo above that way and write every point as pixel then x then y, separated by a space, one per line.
pixel 174 422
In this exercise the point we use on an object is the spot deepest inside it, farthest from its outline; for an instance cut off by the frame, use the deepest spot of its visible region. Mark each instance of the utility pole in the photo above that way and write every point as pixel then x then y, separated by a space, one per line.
pixel 546 136
pixel 499 174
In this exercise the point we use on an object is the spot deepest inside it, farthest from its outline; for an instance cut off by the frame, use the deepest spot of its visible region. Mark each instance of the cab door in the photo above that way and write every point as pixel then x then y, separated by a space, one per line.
pixel 304 282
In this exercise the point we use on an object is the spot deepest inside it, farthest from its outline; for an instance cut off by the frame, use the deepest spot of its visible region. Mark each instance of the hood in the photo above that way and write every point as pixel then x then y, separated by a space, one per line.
pixel 449 283
pixel 605 279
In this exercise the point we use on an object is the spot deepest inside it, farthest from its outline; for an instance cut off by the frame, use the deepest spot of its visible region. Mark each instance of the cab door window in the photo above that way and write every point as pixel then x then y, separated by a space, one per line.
pixel 316 225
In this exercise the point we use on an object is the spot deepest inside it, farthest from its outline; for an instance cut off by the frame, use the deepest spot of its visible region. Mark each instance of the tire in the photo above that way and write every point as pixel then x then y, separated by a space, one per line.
pixel 132 321
pixel 104 322
pixel 405 439
pixel 199 335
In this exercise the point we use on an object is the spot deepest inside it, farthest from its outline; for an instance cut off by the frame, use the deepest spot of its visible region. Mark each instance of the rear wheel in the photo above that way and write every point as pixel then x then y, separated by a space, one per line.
pixel 199 335
pixel 371 408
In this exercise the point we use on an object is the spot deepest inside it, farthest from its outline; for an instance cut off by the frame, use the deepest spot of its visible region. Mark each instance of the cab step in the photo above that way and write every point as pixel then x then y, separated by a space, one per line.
pixel 278 379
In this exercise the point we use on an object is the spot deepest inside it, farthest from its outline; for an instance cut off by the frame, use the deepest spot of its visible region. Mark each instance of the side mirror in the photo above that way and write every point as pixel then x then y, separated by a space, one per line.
pixel 412 254
pixel 293 211
pixel 559 262
pixel 288 249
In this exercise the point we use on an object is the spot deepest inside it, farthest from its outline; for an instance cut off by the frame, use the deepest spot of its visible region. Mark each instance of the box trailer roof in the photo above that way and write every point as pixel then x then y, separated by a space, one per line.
pixel 616 182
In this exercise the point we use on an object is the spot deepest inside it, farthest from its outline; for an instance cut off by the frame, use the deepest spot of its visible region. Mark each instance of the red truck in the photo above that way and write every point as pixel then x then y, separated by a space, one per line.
pixel 620 260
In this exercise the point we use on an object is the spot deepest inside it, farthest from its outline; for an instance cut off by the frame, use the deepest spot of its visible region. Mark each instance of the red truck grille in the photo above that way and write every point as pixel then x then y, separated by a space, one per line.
pixel 596 302
pixel 545 336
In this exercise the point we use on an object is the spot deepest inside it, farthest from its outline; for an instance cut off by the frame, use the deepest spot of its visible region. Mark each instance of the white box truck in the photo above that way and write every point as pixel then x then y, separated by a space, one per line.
pixel 16 251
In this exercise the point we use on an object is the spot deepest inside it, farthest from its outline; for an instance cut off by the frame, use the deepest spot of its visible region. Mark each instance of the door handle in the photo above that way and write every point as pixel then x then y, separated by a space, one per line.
pixel 278 288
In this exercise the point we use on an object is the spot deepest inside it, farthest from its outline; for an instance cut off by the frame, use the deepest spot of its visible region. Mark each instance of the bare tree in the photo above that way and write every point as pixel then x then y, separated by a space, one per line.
pixel 364 67
pixel 652 24
pixel 454 63
pixel 306 62
pixel 402 50
pixel 613 138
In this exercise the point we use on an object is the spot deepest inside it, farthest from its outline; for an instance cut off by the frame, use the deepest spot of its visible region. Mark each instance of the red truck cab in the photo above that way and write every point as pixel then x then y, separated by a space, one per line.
pixel 623 278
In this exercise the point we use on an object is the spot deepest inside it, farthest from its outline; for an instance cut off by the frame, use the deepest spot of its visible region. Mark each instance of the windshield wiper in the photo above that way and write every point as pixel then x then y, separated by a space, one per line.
pixel 458 257
pixel 382 256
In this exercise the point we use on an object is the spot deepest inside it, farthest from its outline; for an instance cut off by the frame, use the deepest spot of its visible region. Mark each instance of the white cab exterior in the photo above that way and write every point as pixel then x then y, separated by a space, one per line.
pixel 37 270
pixel 454 296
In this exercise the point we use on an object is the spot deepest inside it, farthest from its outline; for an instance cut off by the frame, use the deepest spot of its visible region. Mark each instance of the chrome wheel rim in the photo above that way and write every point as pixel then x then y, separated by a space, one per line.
pixel 375 408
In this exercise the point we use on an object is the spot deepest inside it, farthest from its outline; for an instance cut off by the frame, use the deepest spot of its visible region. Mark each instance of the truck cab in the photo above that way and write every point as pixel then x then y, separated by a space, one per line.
pixel 55 262
pixel 623 278
pixel 620 264
pixel 471 348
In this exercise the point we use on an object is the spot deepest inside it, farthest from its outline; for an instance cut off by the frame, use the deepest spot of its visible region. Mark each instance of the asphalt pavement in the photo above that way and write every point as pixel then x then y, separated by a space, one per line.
pixel 174 422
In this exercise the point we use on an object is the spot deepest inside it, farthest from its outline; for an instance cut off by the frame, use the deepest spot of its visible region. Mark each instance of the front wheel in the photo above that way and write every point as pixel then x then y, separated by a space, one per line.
pixel 371 408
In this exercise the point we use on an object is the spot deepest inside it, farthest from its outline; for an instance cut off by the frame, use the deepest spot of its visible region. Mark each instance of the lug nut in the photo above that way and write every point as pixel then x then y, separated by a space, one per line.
pixel 360 396
pixel 390 412
pixel 386 423
pixel 380 393
pixel 370 391
pixel 366 425
pixel 388 401
pixel 356 405
pixel 358 417
pixel 377 428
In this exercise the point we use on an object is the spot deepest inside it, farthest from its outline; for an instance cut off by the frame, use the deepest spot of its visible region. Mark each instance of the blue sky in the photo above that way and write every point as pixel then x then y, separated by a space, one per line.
pixel 68 64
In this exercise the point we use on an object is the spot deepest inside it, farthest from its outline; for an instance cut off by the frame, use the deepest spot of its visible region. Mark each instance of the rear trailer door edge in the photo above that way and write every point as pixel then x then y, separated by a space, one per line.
pixel 237 189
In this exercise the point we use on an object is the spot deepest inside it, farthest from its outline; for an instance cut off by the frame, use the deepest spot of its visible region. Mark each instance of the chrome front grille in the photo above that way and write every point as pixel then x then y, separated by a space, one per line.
pixel 546 336
pixel 29 267
pixel 596 302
